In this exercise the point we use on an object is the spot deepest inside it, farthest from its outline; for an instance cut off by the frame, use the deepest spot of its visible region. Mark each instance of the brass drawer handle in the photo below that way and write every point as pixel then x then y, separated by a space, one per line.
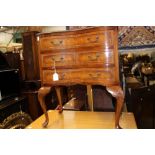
pixel 95 58
pixel 94 75
pixel 62 76
pixel 57 42
pixel 93 40
pixel 61 59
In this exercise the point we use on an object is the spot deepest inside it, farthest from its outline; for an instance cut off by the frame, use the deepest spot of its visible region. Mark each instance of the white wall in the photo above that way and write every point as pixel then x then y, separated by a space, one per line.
pixel 149 51
pixel 5 39
pixel 48 29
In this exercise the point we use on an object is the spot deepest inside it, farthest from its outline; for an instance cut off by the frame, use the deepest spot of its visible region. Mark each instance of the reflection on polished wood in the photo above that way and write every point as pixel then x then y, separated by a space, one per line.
pixel 83 120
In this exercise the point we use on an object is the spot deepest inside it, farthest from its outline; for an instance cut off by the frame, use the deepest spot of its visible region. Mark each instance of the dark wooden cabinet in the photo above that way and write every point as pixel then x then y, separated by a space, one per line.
pixel 34 108
pixel 103 101
pixel 31 84
pixel 30 56
pixel 143 106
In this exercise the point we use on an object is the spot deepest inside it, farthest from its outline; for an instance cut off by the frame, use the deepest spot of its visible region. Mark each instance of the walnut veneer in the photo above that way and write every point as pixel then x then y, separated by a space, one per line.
pixel 87 56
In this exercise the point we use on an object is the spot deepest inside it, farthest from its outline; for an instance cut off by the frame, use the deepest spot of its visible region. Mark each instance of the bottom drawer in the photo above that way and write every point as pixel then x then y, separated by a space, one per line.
pixel 92 75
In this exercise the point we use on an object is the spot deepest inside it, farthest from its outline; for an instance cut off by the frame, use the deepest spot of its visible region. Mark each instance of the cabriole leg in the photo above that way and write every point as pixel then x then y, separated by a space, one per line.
pixel 59 107
pixel 43 91
pixel 117 92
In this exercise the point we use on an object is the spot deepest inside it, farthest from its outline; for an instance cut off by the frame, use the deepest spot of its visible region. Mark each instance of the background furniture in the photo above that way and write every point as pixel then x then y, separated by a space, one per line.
pixel 30 56
pixel 139 88
pixel 143 106
pixel 31 82
pixel 102 100
pixel 88 56
pixel 13 106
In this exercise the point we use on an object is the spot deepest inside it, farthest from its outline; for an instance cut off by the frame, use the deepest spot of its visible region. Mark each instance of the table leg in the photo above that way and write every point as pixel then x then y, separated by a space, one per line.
pixel 117 92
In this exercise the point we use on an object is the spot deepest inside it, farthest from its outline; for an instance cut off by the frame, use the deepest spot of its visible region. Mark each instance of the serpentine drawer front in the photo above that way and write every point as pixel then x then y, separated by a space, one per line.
pixel 47 60
pixel 95 57
pixel 88 56
pixel 56 42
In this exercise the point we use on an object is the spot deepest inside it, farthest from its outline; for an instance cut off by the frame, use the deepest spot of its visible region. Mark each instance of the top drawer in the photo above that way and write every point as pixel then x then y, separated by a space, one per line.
pixel 99 38
pixel 56 42
pixel 104 39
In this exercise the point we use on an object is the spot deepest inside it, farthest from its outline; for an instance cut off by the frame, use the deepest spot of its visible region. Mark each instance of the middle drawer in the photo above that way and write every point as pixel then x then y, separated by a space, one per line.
pixel 60 60
pixel 95 57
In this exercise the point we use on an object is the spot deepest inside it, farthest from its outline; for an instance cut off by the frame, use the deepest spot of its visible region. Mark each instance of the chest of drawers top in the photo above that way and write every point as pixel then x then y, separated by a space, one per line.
pixel 81 56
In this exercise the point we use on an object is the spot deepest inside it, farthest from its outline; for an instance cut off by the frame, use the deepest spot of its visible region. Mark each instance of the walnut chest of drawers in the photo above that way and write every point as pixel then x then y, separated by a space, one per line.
pixel 88 56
